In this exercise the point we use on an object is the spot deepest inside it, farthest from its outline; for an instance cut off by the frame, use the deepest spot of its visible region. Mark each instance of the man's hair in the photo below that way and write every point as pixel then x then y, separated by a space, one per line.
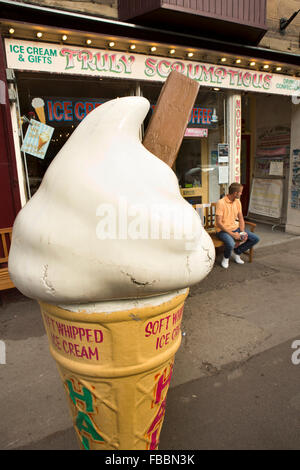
pixel 235 188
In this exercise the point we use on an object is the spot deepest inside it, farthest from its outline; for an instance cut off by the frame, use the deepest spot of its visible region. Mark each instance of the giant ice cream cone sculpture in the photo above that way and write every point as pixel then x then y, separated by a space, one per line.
pixel 109 247
pixel 116 361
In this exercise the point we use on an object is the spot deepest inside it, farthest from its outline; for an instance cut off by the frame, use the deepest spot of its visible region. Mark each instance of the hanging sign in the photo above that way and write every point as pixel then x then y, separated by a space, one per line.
pixel 37 139
pixel 195 132
pixel 59 58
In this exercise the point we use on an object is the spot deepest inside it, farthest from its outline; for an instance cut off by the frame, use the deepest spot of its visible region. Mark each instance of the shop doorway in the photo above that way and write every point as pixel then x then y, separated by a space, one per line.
pixel 9 191
pixel 9 194
pixel 191 170
pixel 245 171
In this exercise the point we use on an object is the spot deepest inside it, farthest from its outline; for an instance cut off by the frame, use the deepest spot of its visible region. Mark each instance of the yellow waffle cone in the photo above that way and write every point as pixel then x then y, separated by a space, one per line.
pixel 116 365
pixel 40 111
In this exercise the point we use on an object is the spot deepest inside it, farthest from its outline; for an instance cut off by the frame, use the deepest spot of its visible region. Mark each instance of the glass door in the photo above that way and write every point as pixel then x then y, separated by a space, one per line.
pixel 245 171
pixel 192 170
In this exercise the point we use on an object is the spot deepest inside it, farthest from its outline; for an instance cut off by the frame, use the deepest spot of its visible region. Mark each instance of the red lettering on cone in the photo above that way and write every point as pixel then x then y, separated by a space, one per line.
pixel 157 424
pixel 162 386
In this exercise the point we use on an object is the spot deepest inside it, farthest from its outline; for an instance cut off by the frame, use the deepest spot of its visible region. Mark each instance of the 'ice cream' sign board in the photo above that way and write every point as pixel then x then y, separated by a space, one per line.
pixel 37 139
pixel 74 60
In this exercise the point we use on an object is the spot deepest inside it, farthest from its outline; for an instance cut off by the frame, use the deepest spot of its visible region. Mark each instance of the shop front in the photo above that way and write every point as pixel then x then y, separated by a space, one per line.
pixel 58 84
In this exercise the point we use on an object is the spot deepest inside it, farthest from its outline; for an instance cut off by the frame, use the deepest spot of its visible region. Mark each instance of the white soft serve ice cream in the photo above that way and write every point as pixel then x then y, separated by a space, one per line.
pixel 90 231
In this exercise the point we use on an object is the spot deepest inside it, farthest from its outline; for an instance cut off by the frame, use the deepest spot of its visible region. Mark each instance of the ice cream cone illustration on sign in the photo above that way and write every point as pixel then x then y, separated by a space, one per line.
pixel 111 300
pixel 43 138
pixel 39 106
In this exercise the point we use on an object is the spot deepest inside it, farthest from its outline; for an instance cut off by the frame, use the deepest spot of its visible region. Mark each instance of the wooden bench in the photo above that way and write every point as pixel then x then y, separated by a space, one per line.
pixel 207 213
pixel 5 281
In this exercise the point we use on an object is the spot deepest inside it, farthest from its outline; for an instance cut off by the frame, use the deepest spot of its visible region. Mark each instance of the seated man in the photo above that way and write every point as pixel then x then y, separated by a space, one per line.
pixel 230 222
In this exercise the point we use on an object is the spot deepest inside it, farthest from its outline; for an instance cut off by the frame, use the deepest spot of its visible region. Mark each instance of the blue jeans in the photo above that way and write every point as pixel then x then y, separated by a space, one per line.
pixel 229 242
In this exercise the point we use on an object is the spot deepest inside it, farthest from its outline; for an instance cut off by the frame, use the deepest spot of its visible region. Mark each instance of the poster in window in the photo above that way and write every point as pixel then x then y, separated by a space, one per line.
pixel 223 153
pixel 295 186
pixel 37 139
pixel 276 168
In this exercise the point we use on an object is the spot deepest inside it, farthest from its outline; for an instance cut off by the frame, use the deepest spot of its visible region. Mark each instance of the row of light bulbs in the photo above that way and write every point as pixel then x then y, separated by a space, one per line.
pixel 64 37
pixel 39 35
pixel 172 51
pixel 252 63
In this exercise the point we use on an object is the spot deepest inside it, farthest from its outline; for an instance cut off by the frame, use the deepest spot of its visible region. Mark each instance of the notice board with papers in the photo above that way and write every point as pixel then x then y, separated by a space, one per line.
pixel 269 192
pixel 266 198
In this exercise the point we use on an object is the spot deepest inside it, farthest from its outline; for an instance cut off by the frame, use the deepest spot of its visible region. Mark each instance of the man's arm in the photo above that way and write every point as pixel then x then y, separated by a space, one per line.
pixel 241 221
pixel 219 224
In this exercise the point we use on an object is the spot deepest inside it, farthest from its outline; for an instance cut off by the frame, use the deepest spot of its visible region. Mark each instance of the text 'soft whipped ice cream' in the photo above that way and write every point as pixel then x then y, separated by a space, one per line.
pixel 108 221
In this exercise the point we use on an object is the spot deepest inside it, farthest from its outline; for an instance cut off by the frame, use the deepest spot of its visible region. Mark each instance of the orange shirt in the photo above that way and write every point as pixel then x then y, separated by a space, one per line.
pixel 229 213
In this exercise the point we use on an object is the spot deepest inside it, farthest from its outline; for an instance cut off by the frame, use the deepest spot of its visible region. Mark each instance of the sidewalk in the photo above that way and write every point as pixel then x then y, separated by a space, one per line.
pixel 272 235
pixel 234 385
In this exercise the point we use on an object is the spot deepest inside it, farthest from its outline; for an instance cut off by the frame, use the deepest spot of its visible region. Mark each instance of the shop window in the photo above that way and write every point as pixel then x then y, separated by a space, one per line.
pixel 67 100
pixel 197 162
pixel 189 169
pixel 196 165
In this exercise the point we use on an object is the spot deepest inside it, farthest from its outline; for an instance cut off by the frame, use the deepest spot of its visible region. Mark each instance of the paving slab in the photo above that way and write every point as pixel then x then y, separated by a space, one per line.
pixel 231 319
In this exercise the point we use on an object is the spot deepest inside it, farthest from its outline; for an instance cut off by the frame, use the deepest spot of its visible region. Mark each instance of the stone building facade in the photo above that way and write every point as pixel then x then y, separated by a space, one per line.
pixel 273 39
pixel 105 8
pixel 289 39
